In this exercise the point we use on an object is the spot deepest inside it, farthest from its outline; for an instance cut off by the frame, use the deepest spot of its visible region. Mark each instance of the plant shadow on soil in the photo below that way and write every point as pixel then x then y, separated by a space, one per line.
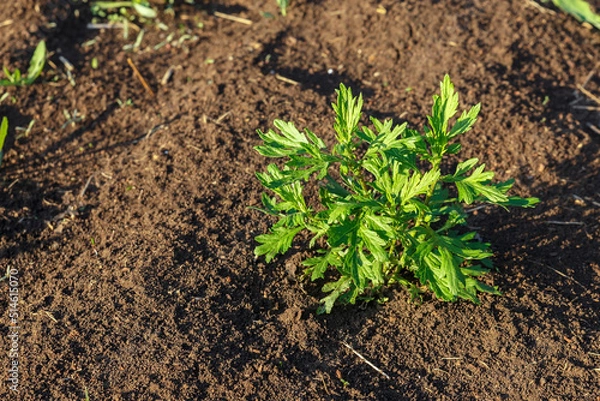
pixel 248 302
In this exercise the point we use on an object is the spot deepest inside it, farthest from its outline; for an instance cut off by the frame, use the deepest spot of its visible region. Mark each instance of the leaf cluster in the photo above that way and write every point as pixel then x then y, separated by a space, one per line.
pixel 387 212
pixel 36 65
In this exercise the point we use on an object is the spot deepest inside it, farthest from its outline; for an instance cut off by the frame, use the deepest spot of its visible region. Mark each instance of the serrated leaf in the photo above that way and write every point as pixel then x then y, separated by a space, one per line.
pixel 337 288
pixel 343 233
pixel 463 167
pixel 444 107
pixel 465 121
pixel 475 270
pixel 335 187
pixel 282 183
pixel 314 139
pixel 319 229
pixel 270 204
pixel 339 212
pixel 477 184
pixel 464 248
pixel 374 243
pixel 278 241
pixel 347 110
pixel 381 224
pixel 353 266
pixel 366 134
pixel 317 266
pixel 419 184
pixel 287 143
pixel 454 277
pixel 372 269
pixel 427 277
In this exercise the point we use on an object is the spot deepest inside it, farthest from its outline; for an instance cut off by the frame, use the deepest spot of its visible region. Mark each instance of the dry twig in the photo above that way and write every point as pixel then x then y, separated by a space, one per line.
pixel 140 77
pixel 365 360
pixel 233 18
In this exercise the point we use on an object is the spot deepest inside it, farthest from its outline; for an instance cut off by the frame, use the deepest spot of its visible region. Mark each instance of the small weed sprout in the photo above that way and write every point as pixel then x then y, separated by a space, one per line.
pixel 388 213
pixel 3 134
pixel 36 65
pixel 283 5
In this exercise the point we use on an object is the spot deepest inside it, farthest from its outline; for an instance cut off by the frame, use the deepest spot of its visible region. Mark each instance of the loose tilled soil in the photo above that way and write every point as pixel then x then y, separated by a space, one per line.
pixel 133 240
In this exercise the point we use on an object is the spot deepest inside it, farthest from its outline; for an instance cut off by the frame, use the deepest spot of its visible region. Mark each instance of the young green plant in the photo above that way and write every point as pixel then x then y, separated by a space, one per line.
pixel 580 9
pixel 3 134
pixel 36 65
pixel 387 212
pixel 283 5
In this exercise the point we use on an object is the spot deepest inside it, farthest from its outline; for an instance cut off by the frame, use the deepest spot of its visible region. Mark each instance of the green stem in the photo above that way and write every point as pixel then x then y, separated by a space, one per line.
pixel 106 5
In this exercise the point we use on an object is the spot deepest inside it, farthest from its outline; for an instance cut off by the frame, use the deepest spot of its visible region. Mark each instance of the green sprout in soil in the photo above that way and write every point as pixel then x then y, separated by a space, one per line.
pixel 283 4
pixel 36 65
pixel 580 9
pixel 3 134
pixel 388 211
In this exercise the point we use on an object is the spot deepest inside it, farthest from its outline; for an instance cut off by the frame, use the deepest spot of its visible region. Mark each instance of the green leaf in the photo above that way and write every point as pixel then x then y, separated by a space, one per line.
pixel 419 184
pixel 454 148
pixel 444 108
pixel 382 224
pixel 7 74
pixel 287 143
pixel 36 65
pixel 517 201
pixel 340 211
pixel 477 184
pixel 343 233
pixel 374 243
pixel 283 4
pixel 335 188
pixel 278 241
pixel 317 266
pixel 284 183
pixel 144 11
pixel 337 288
pixel 3 134
pixel 465 121
pixel 347 110
pixel 372 269
pixel 451 270
pixel 353 265
pixel 464 167
pixel 580 9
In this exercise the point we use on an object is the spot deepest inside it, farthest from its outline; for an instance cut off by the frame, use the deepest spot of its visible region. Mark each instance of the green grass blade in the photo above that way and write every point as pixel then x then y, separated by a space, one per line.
pixel 3 134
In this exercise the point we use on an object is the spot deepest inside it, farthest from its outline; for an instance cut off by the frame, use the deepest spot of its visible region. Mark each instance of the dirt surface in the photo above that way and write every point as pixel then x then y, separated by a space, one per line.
pixel 133 241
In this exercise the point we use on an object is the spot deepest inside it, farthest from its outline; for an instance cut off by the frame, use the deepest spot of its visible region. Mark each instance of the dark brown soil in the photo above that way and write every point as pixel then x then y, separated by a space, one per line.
pixel 133 240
